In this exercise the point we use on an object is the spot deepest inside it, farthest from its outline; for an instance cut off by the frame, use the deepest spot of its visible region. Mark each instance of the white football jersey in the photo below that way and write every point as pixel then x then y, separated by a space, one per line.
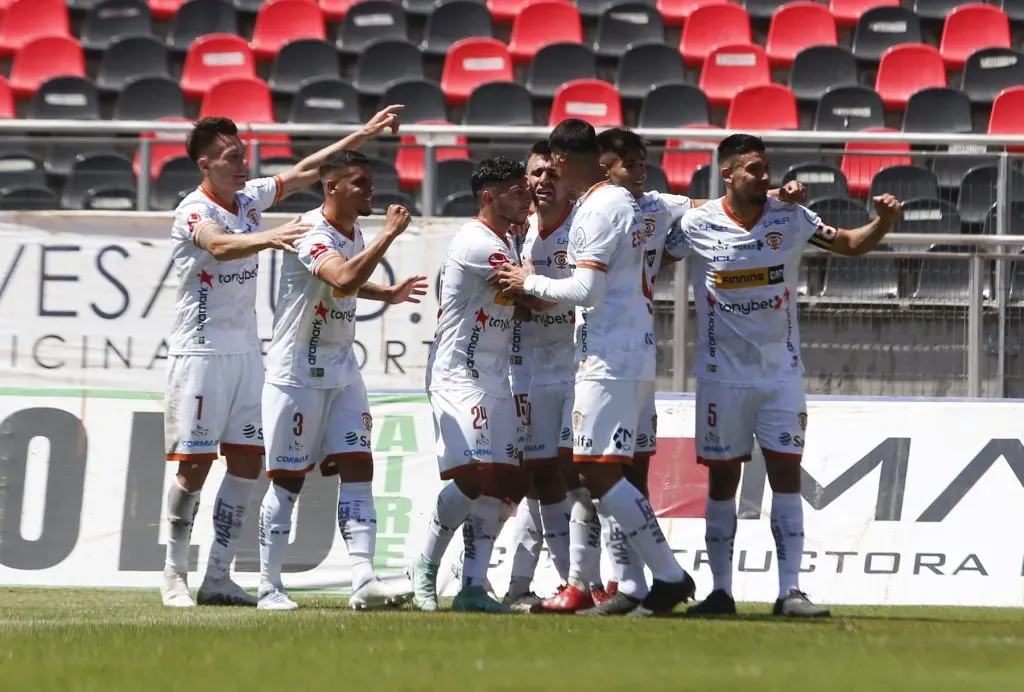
pixel 473 338
pixel 314 324
pixel 553 354
pixel 665 211
pixel 519 356
pixel 614 339
pixel 744 286
pixel 215 312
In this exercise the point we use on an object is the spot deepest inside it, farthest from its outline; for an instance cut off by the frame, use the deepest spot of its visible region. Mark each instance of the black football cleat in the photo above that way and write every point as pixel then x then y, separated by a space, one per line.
pixel 718 603
pixel 619 604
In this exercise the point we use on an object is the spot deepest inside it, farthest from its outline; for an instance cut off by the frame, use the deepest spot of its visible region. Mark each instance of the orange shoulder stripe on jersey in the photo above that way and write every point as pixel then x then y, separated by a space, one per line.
pixel 198 230
pixel 320 263
pixel 592 264
pixel 278 191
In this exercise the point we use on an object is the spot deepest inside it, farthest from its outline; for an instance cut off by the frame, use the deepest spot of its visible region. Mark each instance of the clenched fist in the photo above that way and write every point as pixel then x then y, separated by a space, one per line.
pixel 396 220
pixel 887 208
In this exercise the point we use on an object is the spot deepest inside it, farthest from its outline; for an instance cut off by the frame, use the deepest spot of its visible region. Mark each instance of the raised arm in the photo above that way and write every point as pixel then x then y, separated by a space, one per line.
pixel 226 246
pixel 348 276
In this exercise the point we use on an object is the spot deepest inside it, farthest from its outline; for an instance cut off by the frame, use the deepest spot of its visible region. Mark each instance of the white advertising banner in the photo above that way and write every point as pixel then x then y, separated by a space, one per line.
pixel 906 502
pixel 87 300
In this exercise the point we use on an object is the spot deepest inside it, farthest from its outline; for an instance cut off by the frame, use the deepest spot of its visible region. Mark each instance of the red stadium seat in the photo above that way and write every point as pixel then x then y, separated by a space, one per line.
pixel 592 100
pixel 710 26
pixel 165 146
pixel 796 26
pixel 860 169
pixel 26 20
pixel 507 10
pixel 44 59
pixel 906 69
pixel 731 68
pixel 472 62
pixel 971 27
pixel 214 57
pixel 543 22
pixel 1007 117
pixel 335 10
pixel 6 100
pixel 410 160
pixel 164 10
pixel 246 100
pixel 847 12
pixel 676 12
pixel 764 107
pixel 283 21
pixel 679 166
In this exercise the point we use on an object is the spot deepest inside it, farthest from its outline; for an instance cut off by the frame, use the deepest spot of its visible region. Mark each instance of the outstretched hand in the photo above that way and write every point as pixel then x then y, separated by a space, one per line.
pixel 409 291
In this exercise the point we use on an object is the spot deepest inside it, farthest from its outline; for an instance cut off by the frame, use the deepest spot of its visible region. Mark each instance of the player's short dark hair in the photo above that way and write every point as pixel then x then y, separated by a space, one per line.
pixel 340 161
pixel 738 145
pixel 539 148
pixel 574 136
pixel 205 133
pixel 621 142
pixel 492 172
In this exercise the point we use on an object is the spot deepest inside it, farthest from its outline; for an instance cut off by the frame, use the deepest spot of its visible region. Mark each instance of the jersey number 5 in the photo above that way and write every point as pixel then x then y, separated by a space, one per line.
pixel 523 408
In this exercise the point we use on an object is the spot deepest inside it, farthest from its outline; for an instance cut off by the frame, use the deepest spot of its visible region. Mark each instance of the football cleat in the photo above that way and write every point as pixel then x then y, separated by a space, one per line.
pixel 523 603
pixel 797 605
pixel 569 599
pixel 473 599
pixel 275 598
pixel 717 603
pixel 174 590
pixel 424 584
pixel 601 594
pixel 666 595
pixel 619 604
pixel 224 592
pixel 376 594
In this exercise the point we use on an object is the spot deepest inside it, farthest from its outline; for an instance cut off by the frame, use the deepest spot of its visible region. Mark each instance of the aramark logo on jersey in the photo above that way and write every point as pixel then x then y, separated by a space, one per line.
pixel 319 320
pixel 202 314
pixel 711 329
pixel 479 325
pixel 748 278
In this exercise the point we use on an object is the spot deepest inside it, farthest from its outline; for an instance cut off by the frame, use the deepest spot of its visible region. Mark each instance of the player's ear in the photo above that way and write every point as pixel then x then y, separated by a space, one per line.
pixel 487 198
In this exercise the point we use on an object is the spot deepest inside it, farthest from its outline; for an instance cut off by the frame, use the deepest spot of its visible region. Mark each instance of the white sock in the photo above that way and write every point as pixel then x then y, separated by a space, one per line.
pixel 720 537
pixel 636 516
pixel 228 520
pixel 478 534
pixel 555 522
pixel 527 546
pixel 357 522
pixel 181 511
pixel 275 530
pixel 449 513
pixel 627 569
pixel 584 541
pixel 788 530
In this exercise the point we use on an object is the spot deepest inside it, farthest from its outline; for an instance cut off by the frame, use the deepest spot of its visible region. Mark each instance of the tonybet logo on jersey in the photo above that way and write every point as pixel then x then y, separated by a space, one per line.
pixel 237 277
pixel 545 320
pixel 748 278
pixel 773 303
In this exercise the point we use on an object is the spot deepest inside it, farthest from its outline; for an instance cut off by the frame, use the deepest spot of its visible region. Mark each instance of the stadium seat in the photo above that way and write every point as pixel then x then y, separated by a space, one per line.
pixel 990 70
pixel 656 179
pixel 113 20
pixel 1015 219
pixel 335 10
pixel 763 10
pixel 250 6
pixel 593 9
pixel 420 8
pixel 163 147
pixel 326 101
pixel 499 103
pixel 178 177
pixel 27 198
pixel 90 172
pixel 681 164
pixel 370 21
pixel 849 108
pixel 299 202
pixel 923 214
pixel 731 68
pixel 199 18
pixel 385 176
pixel 6 100
pixel 543 23
pixel 881 28
pixel 111 198
pixel 938 109
pixel 1007 116
pixel 763 107
pixel 676 12
pixel 128 59
pixel 42 59
pixel 461 204
pixel 455 21
pixel 905 70
pixel 627 24
pixel 867 279
pixel 506 11
pixel 283 21
pixel 423 100
pixel 383 200
pixel 385 61
pixel 471 62
pixel 710 27
pixel 796 27
pixel 848 12
pixel 592 100
pixel 164 10
pixel 243 99
pixel 301 61
pixel 906 182
pixel 978 190
pixel 67 98
pixel 558 63
pixel 951 163
pixel 277 165
pixel 859 169
pixel 971 27
pixel 935 10
pixel 646 67
pixel 671 105
pixel 1014 9
pixel 411 158
pixel 214 57
pixel 149 98
pixel 25 21
pixel 840 212
pixel 21 168
pixel 822 180
pixel 452 177
pixel 700 183
pixel 819 68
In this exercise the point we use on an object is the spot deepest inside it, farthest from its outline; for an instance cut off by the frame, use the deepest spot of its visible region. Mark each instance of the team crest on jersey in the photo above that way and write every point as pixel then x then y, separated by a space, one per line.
pixel 497 259
pixel 561 259
pixel 253 216
pixel 649 225
pixel 192 220
pixel 773 239
pixel 367 421
pixel 577 420
pixel 801 419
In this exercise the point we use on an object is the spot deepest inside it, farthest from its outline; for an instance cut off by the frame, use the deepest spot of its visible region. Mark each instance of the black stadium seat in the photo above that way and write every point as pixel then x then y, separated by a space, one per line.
pixel 927 215
pixel 383 200
pixel 656 179
pixel 451 176
pixel 371 21
pixel 1014 10
pixel 593 9
pixel 819 68
pixel 131 58
pixel 327 100
pixel 978 193
pixel 935 10
pixel 301 61
pixel 841 212
pixel 849 108
pixel 90 172
pixel 460 204
pixel 423 100
pixel 82 5
pixel 150 98
pixel 21 168
pixel 674 105
pixel 385 175
pixel 454 21
pixel 906 182
pixel 938 109
pixel 27 198
pixel 177 178
pixel 822 180
pixel 646 66
pixel 298 203
pixel 881 28
pixel 499 103
pixel 111 198
pixel 67 98
pixel 622 26
pixel 762 10
pixel 115 19
pixel 386 61
pixel 558 63
pixel 248 6
pixel 990 70
pixel 200 17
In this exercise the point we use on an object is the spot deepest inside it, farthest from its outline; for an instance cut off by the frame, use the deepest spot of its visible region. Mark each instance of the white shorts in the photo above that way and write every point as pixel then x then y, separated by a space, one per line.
pixel 213 402
pixel 605 417
pixel 550 421
pixel 730 417
pixel 306 427
pixel 473 427
pixel 647 428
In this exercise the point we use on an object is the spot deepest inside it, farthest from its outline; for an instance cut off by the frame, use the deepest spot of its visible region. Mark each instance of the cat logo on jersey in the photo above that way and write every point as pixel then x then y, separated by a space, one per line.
pixel 561 259
pixel 749 278
pixel 774 240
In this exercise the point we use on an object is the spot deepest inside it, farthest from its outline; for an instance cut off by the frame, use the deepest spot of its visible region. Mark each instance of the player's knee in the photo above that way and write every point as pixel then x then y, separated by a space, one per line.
pixel 547 484
pixel 599 478
pixel 783 472
pixel 292 484
pixel 192 474
pixel 724 480
pixel 244 465
pixel 356 471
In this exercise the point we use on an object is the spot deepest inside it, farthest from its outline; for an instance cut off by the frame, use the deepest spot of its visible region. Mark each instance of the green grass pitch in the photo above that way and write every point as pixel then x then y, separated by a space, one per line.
pixel 106 640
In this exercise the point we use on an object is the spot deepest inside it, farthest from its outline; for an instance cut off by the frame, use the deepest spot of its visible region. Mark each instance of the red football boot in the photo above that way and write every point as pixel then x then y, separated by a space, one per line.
pixel 569 599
